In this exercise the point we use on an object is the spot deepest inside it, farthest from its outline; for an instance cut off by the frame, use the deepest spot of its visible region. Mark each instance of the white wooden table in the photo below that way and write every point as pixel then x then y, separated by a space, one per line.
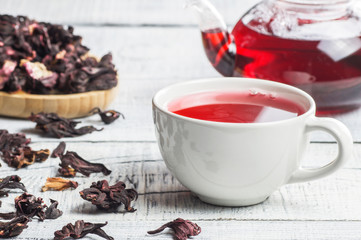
pixel 154 44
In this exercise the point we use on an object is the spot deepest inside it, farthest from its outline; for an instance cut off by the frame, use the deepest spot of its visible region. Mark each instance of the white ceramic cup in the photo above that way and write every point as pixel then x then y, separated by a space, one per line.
pixel 239 164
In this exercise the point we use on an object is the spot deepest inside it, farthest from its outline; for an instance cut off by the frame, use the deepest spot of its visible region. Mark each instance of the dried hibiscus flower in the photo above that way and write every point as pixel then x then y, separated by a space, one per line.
pixel 26 156
pixel 59 150
pixel 80 229
pixel 14 227
pixel 16 152
pixel 5 72
pixel 10 182
pixel 109 197
pixel 30 206
pixel 71 163
pixel 8 216
pixel 71 160
pixel 45 58
pixel 183 229
pixel 59 127
pixel 39 79
pixel 58 184
pixel 107 116
pixel 52 212
pixel 67 171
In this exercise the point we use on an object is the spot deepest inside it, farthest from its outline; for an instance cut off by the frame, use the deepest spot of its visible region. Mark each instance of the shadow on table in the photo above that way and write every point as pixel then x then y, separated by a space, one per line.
pixel 88 209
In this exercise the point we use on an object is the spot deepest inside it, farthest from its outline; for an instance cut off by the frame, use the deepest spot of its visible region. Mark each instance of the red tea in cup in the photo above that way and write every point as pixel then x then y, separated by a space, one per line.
pixel 236 107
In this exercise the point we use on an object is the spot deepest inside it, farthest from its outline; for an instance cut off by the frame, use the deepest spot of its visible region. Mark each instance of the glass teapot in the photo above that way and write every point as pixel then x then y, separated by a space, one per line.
pixel 314 45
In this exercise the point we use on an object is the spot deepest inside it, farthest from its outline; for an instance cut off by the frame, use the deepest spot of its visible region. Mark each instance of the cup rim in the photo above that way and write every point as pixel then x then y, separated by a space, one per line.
pixel 310 111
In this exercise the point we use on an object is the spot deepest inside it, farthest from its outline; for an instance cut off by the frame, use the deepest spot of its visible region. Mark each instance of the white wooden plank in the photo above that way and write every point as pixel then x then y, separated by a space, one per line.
pixel 162 197
pixel 299 211
pixel 317 154
pixel 212 230
pixel 119 11
pixel 147 60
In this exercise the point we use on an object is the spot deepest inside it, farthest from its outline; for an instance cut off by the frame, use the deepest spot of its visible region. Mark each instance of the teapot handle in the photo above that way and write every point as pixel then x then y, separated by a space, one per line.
pixel 345 145
pixel 208 16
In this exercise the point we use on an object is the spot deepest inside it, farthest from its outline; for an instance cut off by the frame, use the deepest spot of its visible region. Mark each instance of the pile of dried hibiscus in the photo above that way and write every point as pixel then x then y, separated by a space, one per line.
pixel 44 58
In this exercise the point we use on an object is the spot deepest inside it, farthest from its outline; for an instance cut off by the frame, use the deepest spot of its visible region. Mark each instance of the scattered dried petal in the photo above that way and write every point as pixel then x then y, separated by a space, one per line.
pixel 107 116
pixel 59 127
pixel 110 197
pixel 16 152
pixel 183 229
pixel 59 150
pixel 10 182
pixel 67 171
pixel 71 163
pixel 14 227
pixel 8 216
pixel 74 161
pixel 27 156
pixel 30 206
pixel 81 229
pixel 58 184
pixel 52 212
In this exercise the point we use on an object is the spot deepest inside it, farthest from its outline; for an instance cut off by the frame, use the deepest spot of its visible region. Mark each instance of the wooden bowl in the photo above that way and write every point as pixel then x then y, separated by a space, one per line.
pixel 21 105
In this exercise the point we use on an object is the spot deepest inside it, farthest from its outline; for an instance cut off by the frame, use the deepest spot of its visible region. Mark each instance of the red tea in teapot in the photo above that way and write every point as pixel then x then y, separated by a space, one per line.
pixel 329 70
pixel 235 107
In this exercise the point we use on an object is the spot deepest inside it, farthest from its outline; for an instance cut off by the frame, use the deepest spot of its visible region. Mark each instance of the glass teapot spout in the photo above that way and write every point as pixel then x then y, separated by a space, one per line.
pixel 217 41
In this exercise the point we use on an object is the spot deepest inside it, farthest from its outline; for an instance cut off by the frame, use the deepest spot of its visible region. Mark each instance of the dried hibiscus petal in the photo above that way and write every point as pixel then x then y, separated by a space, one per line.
pixel 52 212
pixel 15 151
pixel 89 74
pixel 110 197
pixel 14 227
pixel 58 184
pixel 107 116
pixel 17 80
pixel 6 71
pixel 49 58
pixel 39 79
pixel 10 182
pixel 59 150
pixel 80 165
pixel 30 206
pixel 25 156
pixel 81 229
pixel 59 127
pixel 183 229
pixel 71 163
pixel 8 216
pixel 67 171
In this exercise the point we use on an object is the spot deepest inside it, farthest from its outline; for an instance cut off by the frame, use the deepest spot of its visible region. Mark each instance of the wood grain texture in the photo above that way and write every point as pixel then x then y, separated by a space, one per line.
pixel 317 154
pixel 324 200
pixel 221 230
pixel 162 197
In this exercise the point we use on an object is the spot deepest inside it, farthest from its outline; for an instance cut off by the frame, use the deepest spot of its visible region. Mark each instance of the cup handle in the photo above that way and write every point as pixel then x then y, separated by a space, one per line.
pixel 345 144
